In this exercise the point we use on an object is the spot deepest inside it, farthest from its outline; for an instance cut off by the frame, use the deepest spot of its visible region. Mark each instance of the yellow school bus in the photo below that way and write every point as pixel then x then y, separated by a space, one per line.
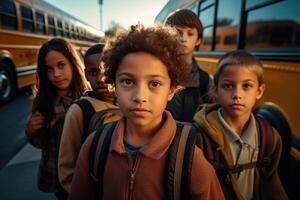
pixel 270 30
pixel 24 26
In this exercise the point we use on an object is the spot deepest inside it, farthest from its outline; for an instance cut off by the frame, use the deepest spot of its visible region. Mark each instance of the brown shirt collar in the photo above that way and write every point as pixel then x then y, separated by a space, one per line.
pixel 158 144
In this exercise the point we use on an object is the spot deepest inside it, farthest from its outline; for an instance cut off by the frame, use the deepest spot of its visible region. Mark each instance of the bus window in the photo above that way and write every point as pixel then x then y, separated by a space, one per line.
pixel 59 28
pixel 51 26
pixel 8 18
pixel 206 15
pixel 71 30
pixel 40 22
pixel 67 30
pixel 207 39
pixel 227 24
pixel 27 19
pixel 274 27
pixel 251 3
pixel 194 8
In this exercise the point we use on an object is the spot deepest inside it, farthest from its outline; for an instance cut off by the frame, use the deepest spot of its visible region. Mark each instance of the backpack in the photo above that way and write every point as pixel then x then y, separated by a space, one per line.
pixel 91 118
pixel 214 156
pixel 178 164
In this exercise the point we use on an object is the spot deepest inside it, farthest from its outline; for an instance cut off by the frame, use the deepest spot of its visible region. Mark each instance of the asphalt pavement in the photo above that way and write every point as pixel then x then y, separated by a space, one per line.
pixel 18 179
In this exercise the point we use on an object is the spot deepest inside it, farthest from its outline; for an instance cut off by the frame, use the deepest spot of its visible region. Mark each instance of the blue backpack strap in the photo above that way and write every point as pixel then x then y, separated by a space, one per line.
pixel 98 155
pixel 87 113
pixel 179 162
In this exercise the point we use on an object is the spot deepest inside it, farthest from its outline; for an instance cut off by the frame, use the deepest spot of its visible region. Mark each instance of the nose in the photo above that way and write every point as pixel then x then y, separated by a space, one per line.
pixel 183 37
pixel 57 72
pixel 237 94
pixel 140 94
pixel 101 78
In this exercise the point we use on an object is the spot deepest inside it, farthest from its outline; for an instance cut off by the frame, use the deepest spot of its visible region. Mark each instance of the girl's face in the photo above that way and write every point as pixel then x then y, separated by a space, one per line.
pixel 59 71
pixel 189 39
pixel 143 88
pixel 237 91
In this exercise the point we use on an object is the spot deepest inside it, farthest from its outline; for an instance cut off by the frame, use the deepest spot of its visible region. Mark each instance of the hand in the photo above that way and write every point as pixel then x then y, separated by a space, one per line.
pixel 35 122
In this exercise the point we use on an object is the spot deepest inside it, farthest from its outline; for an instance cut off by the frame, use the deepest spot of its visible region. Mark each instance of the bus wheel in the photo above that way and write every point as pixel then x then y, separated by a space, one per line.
pixel 7 83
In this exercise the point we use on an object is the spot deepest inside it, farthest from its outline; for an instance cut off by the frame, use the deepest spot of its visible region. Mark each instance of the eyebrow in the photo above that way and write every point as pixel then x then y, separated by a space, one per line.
pixel 151 75
pixel 247 80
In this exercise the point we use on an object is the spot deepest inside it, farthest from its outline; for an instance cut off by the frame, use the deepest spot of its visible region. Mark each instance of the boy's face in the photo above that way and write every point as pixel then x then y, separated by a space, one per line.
pixel 94 74
pixel 143 88
pixel 237 91
pixel 189 38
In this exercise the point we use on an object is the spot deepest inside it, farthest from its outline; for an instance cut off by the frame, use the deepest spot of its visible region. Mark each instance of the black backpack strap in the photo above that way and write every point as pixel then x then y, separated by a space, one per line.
pixel 98 155
pixel 98 119
pixel 87 113
pixel 179 162
pixel 266 138
pixel 212 153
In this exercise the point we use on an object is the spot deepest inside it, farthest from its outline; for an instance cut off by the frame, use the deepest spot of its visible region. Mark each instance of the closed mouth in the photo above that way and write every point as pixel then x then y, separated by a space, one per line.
pixel 139 110
pixel 60 82
pixel 237 105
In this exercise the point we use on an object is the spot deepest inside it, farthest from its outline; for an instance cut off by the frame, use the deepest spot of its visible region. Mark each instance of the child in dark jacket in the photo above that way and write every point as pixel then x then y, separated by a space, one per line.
pixel 186 100
pixel 100 98
pixel 239 83
pixel 60 81
pixel 144 66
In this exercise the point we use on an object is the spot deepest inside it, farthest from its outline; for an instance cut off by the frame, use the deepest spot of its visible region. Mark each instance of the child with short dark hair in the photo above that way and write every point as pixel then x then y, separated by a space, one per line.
pixel 60 82
pixel 186 101
pixel 237 134
pixel 144 66
pixel 76 123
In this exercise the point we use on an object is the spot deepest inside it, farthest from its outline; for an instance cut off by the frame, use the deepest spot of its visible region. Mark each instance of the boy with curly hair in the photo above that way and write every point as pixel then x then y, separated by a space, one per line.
pixel 144 66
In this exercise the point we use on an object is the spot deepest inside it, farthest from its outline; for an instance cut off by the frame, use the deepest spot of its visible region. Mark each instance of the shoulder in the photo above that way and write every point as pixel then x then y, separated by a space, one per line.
pixel 86 147
pixel 74 109
pixel 200 162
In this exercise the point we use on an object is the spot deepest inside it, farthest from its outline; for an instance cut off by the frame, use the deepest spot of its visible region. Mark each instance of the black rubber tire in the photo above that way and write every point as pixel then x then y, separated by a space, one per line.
pixel 7 83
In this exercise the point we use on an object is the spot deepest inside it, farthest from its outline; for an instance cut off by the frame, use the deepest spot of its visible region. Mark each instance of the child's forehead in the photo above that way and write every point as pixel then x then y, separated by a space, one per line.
pixel 186 28
pixel 141 63
pixel 93 58
pixel 237 70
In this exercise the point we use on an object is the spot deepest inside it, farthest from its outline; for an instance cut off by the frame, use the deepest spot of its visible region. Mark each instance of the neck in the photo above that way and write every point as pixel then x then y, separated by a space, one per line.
pixel 139 136
pixel 188 58
pixel 237 124
pixel 63 93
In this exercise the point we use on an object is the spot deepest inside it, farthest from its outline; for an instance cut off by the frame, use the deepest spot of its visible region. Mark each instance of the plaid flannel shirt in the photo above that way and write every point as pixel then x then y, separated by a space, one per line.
pixel 48 140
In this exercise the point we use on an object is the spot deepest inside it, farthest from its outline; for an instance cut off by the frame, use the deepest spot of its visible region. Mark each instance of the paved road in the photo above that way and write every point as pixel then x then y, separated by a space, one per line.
pixel 19 160
pixel 13 118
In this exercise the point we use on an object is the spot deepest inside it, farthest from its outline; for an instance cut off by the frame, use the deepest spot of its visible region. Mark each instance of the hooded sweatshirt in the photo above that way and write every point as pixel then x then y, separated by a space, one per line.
pixel 208 119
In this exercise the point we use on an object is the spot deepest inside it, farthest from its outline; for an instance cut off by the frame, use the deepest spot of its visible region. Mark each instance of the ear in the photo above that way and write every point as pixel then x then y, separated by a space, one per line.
pixel 171 93
pixel 260 91
pixel 198 42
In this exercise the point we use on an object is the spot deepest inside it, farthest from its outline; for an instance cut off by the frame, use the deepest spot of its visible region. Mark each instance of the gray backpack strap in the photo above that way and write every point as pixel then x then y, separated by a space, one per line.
pixel 179 162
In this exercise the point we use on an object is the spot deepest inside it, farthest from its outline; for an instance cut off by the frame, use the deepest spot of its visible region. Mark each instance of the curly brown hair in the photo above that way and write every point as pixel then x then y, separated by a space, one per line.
pixel 158 40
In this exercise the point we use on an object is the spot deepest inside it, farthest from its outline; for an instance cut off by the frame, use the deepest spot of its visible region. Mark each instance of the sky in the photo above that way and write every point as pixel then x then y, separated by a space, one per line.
pixel 124 12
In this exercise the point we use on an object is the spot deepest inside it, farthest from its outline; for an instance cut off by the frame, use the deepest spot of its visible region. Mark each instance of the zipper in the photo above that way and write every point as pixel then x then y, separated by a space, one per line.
pixel 132 173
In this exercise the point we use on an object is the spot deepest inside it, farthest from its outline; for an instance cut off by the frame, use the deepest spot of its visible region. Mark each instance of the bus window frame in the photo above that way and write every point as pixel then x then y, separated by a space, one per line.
pixel 10 15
